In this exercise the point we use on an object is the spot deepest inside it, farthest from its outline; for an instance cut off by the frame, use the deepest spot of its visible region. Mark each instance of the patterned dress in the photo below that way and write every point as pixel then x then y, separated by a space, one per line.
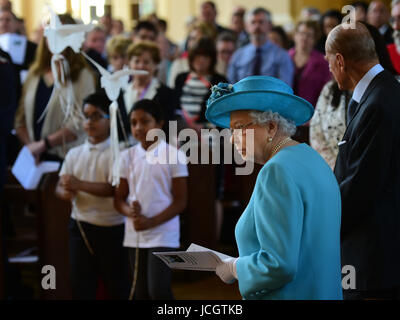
pixel 328 125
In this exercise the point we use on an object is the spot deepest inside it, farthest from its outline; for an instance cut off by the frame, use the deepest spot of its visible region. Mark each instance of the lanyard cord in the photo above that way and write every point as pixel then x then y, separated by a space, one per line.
pixel 136 267
pixel 78 222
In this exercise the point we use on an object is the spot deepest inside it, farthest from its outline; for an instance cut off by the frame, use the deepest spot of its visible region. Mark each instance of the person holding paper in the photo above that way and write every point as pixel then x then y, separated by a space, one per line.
pixel 151 194
pixel 50 137
pixel 85 180
pixel 289 235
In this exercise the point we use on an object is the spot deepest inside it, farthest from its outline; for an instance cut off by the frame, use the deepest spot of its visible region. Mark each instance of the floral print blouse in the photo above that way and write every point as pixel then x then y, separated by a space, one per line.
pixel 328 125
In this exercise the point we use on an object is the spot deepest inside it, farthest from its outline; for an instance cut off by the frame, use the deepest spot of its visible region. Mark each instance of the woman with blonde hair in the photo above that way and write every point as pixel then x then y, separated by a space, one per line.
pixel 146 56
pixel 117 48
pixel 52 135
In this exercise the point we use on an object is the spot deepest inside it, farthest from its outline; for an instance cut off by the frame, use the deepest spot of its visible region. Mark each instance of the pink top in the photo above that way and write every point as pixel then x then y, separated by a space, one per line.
pixel 313 78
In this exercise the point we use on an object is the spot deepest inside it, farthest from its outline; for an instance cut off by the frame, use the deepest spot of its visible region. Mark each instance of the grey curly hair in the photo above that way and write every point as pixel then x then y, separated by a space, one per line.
pixel 285 127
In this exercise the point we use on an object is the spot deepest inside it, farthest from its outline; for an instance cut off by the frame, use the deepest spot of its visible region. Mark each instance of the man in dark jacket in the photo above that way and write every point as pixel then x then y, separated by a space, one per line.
pixel 8 105
pixel 368 165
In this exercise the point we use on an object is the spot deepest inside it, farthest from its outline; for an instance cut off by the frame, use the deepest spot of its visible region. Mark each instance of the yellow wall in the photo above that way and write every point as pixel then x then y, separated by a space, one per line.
pixel 31 10
pixel 121 10
pixel 176 12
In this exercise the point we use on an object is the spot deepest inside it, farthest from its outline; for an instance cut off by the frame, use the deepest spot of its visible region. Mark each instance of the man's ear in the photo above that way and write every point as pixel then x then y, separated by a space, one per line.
pixel 340 61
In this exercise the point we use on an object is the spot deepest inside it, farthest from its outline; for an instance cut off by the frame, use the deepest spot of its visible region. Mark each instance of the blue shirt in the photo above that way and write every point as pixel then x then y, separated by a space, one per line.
pixel 276 63
pixel 289 235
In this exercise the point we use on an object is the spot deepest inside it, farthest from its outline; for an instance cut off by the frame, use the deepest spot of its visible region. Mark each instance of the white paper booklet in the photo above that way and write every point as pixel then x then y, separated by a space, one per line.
pixel 26 171
pixel 194 258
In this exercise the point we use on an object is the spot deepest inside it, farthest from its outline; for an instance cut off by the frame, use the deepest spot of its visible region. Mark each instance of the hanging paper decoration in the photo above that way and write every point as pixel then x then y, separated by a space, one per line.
pixel 59 37
pixel 112 84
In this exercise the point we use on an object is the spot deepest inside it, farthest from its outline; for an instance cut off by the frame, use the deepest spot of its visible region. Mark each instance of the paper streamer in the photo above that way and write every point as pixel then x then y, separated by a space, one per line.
pixel 65 89
pixel 59 37
pixel 112 84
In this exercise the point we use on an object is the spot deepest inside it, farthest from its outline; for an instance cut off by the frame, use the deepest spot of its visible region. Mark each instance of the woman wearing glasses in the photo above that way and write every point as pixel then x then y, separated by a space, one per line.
pixel 289 235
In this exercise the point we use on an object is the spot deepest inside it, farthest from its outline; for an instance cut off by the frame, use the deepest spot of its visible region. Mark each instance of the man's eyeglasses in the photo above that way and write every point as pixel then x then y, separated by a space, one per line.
pixel 96 117
pixel 241 127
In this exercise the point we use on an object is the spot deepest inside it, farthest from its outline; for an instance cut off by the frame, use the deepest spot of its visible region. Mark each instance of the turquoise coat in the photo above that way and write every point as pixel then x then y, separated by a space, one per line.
pixel 289 235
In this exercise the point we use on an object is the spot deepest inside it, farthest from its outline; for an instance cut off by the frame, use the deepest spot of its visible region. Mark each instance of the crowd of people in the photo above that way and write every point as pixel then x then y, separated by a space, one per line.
pixel 177 86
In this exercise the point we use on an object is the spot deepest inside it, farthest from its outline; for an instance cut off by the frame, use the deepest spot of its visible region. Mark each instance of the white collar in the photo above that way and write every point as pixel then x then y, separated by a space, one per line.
pixel 383 29
pixel 363 84
pixel 98 147
pixel 131 94
pixel 153 150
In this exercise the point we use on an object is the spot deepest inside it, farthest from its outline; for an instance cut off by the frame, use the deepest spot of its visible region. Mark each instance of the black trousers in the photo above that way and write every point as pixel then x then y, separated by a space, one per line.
pixel 110 261
pixel 154 276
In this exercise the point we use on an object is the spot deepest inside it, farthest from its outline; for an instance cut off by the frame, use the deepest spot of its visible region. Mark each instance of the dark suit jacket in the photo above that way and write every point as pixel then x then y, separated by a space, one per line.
pixel 368 172
pixel 29 55
pixel 388 36
pixel 8 106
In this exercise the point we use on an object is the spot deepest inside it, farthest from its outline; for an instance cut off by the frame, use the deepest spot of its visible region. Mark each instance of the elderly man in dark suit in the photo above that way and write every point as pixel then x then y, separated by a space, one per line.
pixel 379 16
pixel 368 165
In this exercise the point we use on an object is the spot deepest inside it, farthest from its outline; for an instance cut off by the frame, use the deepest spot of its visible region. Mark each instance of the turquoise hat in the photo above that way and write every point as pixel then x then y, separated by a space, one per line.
pixel 260 93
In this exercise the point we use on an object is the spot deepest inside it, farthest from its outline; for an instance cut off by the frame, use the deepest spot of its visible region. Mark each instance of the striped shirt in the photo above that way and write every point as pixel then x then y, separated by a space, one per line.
pixel 194 93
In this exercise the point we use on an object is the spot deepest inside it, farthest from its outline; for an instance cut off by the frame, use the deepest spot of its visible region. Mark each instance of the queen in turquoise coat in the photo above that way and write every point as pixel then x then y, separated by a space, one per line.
pixel 289 234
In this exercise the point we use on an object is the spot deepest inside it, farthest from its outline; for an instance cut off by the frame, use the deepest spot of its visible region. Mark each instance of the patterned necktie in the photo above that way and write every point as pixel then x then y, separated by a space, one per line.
pixel 351 110
pixel 257 63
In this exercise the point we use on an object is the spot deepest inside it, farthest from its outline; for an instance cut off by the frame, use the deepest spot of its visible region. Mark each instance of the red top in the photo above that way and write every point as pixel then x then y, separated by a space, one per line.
pixel 395 56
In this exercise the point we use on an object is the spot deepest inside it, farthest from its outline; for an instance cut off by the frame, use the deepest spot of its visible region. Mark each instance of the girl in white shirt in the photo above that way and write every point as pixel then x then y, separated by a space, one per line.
pixel 152 195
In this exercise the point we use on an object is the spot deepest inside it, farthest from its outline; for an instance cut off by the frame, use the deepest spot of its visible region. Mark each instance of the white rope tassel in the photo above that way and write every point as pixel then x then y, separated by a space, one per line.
pixel 114 144
pixel 63 86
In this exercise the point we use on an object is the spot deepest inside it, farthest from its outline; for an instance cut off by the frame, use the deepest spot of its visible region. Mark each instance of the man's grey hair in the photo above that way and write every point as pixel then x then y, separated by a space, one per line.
pixel 395 3
pixel 256 11
pixel 355 45
pixel 285 127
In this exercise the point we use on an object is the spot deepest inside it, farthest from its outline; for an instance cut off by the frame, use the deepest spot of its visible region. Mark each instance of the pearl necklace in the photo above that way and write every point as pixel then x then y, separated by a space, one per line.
pixel 280 145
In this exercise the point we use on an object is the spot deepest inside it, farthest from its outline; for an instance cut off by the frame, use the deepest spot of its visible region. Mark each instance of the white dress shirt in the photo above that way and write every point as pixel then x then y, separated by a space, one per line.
pixel 383 29
pixel 365 82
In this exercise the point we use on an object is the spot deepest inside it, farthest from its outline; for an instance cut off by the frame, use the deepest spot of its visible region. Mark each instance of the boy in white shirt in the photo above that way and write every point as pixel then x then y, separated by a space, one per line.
pixel 96 228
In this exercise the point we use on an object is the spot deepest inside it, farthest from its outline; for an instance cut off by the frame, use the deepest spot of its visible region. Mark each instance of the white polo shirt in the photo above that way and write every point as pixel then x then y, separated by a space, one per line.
pixel 91 163
pixel 150 183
